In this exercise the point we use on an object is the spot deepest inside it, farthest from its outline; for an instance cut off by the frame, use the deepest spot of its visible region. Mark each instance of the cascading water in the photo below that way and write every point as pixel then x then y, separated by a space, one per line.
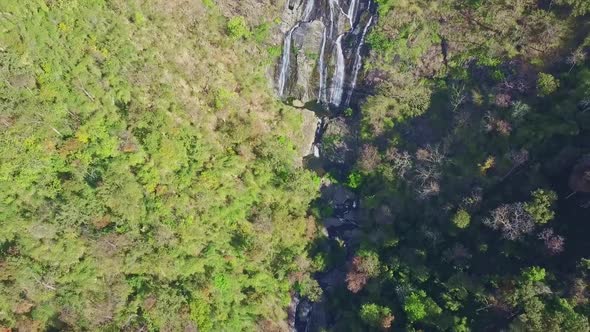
pixel 308 9
pixel 358 61
pixel 351 11
pixel 322 69
pixel 338 80
pixel 323 43
pixel 285 61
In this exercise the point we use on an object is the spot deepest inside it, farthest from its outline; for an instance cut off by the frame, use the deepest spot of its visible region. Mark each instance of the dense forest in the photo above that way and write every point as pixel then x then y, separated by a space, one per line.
pixel 152 179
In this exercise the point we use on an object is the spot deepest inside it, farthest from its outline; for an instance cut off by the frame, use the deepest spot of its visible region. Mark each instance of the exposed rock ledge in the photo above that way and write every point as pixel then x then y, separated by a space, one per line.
pixel 308 130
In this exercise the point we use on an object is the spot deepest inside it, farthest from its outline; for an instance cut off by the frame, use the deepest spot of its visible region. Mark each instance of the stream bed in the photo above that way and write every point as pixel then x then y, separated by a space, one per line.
pixel 320 65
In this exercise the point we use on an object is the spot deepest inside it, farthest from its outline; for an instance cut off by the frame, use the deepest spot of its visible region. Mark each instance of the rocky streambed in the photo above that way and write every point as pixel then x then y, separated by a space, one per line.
pixel 319 70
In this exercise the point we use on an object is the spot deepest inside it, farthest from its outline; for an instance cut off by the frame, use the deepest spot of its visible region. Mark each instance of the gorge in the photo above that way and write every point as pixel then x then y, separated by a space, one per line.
pixel 321 60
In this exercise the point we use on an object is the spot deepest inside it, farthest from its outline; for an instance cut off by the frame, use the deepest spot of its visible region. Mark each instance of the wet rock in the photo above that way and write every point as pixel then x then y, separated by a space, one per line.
pixel 338 142
pixel 307 41
pixel 292 312
pixel 332 279
pixel 318 320
pixel 333 222
pixel 337 195
pixel 304 310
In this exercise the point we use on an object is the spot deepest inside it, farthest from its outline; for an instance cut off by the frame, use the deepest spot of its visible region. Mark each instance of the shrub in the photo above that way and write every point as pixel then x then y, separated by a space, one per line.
pixel 546 84
pixel 540 208
pixel 237 27
pixel 376 315
pixel 461 219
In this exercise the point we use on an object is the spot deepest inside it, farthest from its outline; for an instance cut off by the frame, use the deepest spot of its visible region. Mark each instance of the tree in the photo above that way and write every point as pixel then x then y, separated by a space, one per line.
pixel 461 219
pixel 553 243
pixel 540 208
pixel 369 158
pixel 546 84
pixel 309 287
pixel 364 266
pixel 576 57
pixel 376 316
pixel 512 220
pixel 237 27
pixel 419 306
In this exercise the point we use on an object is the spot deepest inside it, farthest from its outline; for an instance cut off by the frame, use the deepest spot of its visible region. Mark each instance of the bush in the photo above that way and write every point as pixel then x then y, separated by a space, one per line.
pixel 237 27
pixel 540 208
pixel 461 219
pixel 547 84
pixel 419 306
pixel 309 288
pixel 375 315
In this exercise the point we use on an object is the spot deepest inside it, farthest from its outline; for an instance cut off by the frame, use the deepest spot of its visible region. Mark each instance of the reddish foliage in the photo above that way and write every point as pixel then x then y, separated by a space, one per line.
pixel 503 100
pixel 358 275
pixel 356 281
pixel 387 321
pixel 554 243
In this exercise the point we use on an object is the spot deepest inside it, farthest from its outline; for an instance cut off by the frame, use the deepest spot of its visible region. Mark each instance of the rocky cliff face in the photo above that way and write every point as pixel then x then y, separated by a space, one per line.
pixel 322 49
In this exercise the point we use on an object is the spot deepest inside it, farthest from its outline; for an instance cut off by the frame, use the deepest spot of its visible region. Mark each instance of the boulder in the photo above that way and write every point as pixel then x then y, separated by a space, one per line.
pixel 306 136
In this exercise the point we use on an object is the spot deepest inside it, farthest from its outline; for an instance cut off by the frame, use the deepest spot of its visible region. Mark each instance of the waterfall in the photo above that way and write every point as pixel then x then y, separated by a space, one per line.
pixel 285 61
pixel 331 3
pixel 338 80
pixel 308 10
pixel 322 69
pixel 352 12
pixel 358 61
pixel 338 41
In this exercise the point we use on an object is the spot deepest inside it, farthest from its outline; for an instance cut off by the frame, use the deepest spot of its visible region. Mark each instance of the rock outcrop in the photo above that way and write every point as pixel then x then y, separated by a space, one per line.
pixel 306 137
pixel 307 43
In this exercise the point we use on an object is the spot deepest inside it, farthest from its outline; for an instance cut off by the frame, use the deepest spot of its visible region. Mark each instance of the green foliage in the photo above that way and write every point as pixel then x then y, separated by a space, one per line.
pixel 461 219
pixel 137 192
pixel 354 179
pixel 414 306
pixel 370 263
pixel 261 32
pixel 547 84
pixel 541 207
pixel 209 3
pixel 380 43
pixel 463 133
pixel 237 28
pixel 373 314
pixel 533 274
pixel 274 51
pixel 309 288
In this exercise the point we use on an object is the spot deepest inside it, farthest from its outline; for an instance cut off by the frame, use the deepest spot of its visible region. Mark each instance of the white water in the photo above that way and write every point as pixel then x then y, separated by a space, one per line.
pixel 352 12
pixel 358 61
pixel 331 3
pixel 322 69
pixel 308 10
pixel 338 80
pixel 285 60
pixel 316 151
